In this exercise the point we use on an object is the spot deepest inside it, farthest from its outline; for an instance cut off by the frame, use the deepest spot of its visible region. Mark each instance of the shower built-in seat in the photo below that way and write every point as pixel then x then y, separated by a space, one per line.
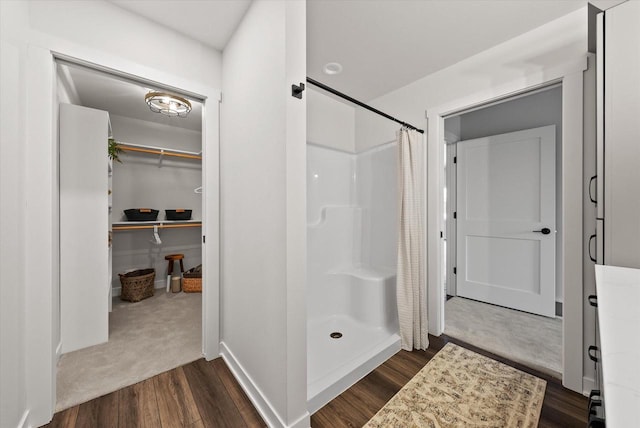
pixel 366 325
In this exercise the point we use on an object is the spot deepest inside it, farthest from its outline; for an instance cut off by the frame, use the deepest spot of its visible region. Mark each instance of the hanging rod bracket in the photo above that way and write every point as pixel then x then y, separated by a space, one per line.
pixel 297 90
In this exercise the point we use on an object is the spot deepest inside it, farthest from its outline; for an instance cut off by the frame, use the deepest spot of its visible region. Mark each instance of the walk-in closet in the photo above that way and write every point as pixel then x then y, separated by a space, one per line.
pixel 131 210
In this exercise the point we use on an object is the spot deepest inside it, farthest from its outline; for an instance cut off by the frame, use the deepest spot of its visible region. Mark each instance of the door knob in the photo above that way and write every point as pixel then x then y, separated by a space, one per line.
pixel 544 231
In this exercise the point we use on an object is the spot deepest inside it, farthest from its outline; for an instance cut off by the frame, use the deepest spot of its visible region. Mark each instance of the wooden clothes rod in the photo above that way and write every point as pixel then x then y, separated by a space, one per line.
pixel 160 226
pixel 158 152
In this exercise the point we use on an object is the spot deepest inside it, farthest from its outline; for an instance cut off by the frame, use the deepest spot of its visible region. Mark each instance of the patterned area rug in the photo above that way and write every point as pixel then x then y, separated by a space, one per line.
pixel 459 388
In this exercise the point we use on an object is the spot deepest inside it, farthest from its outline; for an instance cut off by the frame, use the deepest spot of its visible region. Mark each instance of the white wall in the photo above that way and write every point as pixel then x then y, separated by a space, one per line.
pixel 263 217
pixel 373 130
pixel 64 88
pixel 377 194
pixel 536 110
pixel 341 174
pixel 100 32
pixel 527 57
pixel 531 111
pixel 334 229
pixel 103 26
pixel 330 122
pixel 330 180
pixel 352 222
pixel 13 390
pixel 368 178
pixel 136 131
pixel 142 181
pixel 553 51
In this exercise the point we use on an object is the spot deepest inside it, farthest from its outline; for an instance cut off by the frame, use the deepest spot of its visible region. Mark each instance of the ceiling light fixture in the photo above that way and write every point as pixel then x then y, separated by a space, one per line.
pixel 332 68
pixel 167 104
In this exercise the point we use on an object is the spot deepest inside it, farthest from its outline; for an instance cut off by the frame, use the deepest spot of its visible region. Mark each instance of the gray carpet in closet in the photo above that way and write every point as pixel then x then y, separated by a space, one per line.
pixel 145 338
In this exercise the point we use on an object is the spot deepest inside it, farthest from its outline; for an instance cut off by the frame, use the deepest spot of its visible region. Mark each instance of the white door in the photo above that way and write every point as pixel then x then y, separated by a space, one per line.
pixel 84 226
pixel 506 220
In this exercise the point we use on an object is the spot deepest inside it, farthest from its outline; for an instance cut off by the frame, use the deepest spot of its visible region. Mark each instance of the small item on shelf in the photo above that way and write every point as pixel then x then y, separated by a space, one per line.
pixel 192 280
pixel 141 214
pixel 114 150
pixel 178 214
pixel 137 285
pixel 175 284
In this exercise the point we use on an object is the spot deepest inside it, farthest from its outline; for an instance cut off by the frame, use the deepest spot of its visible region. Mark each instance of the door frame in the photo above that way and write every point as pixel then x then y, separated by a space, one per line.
pixel 43 234
pixel 571 77
pixel 451 229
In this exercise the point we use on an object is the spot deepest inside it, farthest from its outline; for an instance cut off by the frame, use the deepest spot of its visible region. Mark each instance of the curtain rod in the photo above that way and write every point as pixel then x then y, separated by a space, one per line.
pixel 360 103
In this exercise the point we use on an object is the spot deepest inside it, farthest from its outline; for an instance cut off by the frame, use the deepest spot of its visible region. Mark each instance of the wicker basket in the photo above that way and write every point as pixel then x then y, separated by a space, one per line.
pixel 192 280
pixel 137 285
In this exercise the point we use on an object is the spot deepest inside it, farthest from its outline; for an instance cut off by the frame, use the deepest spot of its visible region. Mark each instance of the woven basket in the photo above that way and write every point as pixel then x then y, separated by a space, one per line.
pixel 192 280
pixel 137 285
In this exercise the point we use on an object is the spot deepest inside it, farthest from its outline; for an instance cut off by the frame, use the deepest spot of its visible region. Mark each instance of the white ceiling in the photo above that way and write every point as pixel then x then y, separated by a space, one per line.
pixel 209 21
pixel 120 97
pixel 382 44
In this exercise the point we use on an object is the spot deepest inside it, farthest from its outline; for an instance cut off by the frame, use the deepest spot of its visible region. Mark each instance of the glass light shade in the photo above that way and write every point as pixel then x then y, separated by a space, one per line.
pixel 168 104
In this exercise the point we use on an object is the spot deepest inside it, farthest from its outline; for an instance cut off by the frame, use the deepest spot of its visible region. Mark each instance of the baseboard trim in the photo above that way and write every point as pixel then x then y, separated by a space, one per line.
pixel 23 420
pixel 260 402
pixel 303 421
pixel 588 384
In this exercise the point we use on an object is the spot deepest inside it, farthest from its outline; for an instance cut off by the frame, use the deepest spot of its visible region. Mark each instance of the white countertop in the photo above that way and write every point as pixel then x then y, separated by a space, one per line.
pixel 619 322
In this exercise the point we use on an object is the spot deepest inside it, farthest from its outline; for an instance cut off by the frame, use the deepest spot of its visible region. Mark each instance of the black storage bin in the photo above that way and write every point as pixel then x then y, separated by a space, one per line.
pixel 178 214
pixel 141 214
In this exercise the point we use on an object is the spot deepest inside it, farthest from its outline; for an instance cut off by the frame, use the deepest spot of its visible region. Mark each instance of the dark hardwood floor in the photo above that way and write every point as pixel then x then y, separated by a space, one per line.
pixel 354 407
pixel 205 394
pixel 200 394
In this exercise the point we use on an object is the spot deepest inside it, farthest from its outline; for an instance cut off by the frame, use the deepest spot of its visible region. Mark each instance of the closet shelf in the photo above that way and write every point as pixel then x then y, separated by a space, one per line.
pixel 163 224
pixel 162 151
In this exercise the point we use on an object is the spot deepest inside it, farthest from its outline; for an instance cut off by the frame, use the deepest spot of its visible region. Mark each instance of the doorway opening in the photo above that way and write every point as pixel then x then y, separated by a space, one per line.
pixel 502 241
pixel 161 166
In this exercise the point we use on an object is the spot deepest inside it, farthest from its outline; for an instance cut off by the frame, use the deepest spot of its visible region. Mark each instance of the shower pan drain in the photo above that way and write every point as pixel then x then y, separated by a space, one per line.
pixel 336 335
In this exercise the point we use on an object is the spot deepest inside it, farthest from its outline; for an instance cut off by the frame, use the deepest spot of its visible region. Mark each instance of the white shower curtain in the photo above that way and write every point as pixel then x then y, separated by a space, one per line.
pixel 411 289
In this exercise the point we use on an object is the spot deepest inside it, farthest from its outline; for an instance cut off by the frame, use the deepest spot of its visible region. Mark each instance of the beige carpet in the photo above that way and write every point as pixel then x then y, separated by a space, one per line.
pixel 145 338
pixel 459 388
pixel 532 340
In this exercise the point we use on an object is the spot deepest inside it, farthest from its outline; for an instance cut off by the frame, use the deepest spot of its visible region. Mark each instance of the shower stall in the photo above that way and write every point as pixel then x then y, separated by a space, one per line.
pixel 352 322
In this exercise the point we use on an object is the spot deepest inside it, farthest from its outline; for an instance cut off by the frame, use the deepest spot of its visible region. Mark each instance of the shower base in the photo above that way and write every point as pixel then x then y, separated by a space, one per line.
pixel 335 364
